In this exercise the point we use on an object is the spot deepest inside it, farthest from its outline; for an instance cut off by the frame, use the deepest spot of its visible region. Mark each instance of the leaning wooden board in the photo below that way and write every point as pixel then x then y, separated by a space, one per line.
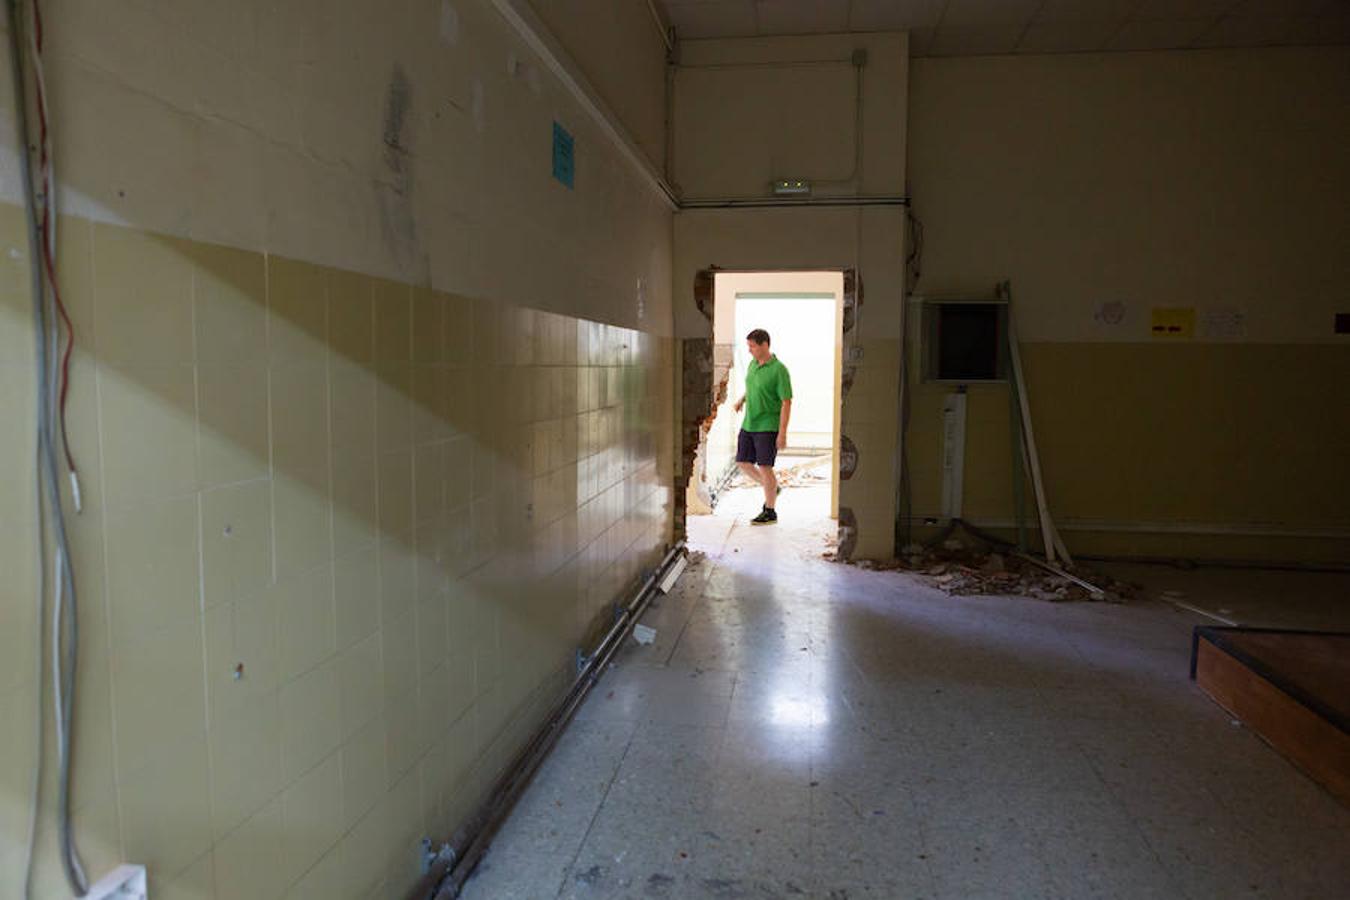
pixel 1290 687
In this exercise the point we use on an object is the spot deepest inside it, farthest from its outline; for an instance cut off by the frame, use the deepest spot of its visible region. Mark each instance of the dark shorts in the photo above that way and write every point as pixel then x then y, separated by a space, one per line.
pixel 758 447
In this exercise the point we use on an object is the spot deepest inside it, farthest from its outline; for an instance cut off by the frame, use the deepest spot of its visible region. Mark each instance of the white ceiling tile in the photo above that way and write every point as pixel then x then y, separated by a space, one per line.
pixel 802 16
pixel 712 18
pixel 988 13
pixel 1333 28
pixel 974 40
pixel 1282 9
pixel 1065 37
pixel 1085 10
pixel 1232 31
pixel 895 15
pixel 1178 10
pixel 1159 34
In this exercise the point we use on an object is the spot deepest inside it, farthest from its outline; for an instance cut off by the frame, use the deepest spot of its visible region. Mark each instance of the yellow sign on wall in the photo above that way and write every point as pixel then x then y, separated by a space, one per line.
pixel 1173 322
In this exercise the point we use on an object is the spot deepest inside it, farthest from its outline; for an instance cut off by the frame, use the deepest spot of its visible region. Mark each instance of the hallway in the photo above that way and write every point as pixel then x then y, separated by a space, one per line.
pixel 800 728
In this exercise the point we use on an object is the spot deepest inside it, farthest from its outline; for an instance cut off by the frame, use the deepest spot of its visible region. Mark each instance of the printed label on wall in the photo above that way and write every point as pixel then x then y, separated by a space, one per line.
pixel 1176 323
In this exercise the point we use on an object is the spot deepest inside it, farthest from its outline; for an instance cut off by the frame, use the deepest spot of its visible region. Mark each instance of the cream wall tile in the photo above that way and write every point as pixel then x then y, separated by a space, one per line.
pixel 458 330
pixel 229 293
pixel 17 491
pixel 158 692
pixel 351 317
pixel 299 410
pixel 324 881
pixel 364 853
pixel 148 416
pixel 297 306
pixel 166 808
pixel 250 862
pixel 396 494
pixel 306 621
pixel 232 424
pixel 428 326
pixel 312 817
pixel 236 540
pixel 302 516
pixel 242 633
pixel 403 733
pixel 196 882
pixel 393 322
pixel 393 406
pixel 356 595
pixel 355 516
pixel 311 726
pixel 143 306
pixel 245 762
pixel 361 675
pixel 19 637
pixel 152 568
pixel 433 632
pixel 363 772
pixel 398 580
pixel 352 407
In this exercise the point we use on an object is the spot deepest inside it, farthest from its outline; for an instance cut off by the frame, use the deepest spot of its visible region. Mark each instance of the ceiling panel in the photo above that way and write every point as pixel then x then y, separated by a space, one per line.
pixel 795 17
pixel 1066 37
pixel 986 13
pixel 972 27
pixel 1085 10
pixel 712 18
pixel 895 15
pixel 974 40
pixel 1178 10
pixel 1158 34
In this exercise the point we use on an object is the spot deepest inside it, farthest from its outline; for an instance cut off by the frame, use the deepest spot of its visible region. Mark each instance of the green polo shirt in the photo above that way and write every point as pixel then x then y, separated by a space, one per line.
pixel 766 387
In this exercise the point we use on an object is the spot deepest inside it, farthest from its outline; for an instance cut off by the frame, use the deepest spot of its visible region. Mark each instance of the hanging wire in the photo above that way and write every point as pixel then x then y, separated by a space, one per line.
pixel 48 316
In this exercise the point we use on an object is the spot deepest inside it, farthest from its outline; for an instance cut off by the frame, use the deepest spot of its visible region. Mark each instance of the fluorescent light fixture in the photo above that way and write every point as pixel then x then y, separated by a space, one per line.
pixel 791 187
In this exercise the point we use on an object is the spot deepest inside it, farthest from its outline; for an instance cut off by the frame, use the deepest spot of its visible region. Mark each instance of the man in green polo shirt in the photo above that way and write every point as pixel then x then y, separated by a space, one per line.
pixel 768 406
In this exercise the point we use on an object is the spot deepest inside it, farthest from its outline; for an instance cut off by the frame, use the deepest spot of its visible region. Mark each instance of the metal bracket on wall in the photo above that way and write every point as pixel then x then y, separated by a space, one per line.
pixel 429 854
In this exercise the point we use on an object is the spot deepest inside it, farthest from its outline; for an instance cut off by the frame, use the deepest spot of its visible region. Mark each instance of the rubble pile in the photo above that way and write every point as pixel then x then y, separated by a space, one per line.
pixel 959 570
pixel 813 471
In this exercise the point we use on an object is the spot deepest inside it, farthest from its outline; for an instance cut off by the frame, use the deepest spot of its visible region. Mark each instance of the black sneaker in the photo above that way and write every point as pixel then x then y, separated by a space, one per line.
pixel 767 517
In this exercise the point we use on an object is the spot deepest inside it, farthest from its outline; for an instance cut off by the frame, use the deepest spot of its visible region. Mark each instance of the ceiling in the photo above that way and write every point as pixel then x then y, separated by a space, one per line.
pixel 975 27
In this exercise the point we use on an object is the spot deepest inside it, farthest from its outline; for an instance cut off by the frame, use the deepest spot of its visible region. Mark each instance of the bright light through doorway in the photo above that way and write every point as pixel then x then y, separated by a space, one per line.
pixel 802 312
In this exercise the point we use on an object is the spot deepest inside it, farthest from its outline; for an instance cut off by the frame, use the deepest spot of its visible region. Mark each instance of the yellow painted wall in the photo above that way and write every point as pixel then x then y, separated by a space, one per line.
pixel 750 110
pixel 387 424
pixel 1205 180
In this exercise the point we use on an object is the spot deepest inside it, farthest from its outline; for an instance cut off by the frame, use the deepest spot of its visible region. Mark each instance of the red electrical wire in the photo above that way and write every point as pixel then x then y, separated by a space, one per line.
pixel 48 251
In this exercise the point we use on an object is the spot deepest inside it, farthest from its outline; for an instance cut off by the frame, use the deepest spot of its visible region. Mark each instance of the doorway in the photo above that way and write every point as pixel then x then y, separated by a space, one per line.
pixel 803 313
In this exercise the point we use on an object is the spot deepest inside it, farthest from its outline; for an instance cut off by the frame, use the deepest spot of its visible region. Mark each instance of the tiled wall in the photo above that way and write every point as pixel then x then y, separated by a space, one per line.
pixel 398 510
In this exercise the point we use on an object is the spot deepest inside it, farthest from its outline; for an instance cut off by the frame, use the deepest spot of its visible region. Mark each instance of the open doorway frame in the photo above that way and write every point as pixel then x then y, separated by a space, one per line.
pixel 704 389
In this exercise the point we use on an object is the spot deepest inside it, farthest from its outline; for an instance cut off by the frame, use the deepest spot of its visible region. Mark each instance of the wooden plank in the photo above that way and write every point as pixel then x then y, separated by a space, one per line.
pixel 1305 738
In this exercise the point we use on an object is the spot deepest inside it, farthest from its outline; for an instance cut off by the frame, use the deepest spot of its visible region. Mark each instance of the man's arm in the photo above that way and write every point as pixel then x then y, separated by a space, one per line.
pixel 783 423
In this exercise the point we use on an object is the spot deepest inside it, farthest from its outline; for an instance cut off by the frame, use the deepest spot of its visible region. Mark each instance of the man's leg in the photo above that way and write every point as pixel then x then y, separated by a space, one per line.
pixel 751 471
pixel 770 483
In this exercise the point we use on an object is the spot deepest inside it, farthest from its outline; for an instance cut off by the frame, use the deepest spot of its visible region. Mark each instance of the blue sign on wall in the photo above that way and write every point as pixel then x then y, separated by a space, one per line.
pixel 564 164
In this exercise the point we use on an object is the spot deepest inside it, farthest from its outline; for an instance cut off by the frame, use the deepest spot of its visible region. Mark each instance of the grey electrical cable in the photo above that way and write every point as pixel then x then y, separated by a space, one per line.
pixel 64 666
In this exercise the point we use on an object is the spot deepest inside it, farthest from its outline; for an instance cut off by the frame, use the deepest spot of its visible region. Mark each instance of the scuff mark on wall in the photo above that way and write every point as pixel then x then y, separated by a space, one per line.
pixel 394 186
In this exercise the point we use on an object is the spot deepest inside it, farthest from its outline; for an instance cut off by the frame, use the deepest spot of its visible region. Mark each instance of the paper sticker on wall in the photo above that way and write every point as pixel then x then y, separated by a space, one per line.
pixel 1223 324
pixel 1177 323
pixel 564 163
pixel 1112 312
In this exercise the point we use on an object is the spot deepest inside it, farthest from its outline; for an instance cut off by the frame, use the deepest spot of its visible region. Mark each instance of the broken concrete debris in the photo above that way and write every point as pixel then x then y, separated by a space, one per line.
pixel 964 571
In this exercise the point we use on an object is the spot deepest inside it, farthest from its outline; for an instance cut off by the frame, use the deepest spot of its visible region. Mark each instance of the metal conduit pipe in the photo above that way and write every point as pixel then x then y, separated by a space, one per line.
pixel 452 867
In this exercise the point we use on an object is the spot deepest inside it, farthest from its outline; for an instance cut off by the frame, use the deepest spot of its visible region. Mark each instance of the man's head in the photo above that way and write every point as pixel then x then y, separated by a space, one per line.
pixel 758 342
